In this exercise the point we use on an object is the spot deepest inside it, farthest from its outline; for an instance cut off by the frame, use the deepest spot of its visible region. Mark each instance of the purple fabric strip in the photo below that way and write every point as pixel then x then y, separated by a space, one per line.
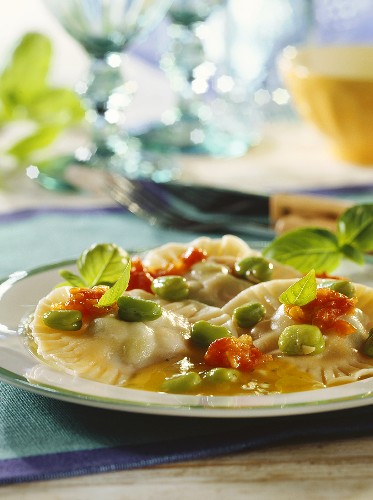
pixel 258 433
pixel 60 465
pixel 32 212
pixel 339 190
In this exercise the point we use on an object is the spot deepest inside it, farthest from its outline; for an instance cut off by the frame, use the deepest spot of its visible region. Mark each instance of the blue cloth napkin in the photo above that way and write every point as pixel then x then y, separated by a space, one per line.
pixel 43 438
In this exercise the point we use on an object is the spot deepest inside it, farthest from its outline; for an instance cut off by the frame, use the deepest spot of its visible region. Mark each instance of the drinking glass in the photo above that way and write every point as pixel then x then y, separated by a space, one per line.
pixel 106 28
pixel 213 113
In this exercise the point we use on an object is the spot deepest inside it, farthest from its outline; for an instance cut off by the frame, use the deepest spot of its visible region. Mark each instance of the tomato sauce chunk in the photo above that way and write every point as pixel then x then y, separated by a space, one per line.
pixel 232 352
pixel 181 266
pixel 140 278
pixel 325 312
pixel 85 300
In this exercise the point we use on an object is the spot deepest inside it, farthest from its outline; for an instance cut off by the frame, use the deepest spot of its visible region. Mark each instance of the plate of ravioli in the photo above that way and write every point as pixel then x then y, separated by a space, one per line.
pixel 212 328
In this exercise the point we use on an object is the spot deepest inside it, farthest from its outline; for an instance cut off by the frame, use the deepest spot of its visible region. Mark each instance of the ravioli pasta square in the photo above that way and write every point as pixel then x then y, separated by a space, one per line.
pixel 342 360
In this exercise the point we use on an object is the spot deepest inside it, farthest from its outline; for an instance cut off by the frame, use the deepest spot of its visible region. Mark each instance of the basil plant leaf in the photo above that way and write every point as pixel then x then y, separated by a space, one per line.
pixel 301 292
pixel 24 78
pixel 27 97
pixel 43 137
pixel 113 294
pixel 305 249
pixel 352 253
pixel 58 106
pixel 72 279
pixel 355 227
pixel 102 263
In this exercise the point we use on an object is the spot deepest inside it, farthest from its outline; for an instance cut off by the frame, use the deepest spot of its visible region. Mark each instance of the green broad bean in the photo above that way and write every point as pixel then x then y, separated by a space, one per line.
pixel 253 268
pixel 368 345
pixel 204 333
pixel 248 315
pixel 170 287
pixel 344 287
pixel 181 383
pixel 222 375
pixel 298 340
pixel 133 309
pixel 65 319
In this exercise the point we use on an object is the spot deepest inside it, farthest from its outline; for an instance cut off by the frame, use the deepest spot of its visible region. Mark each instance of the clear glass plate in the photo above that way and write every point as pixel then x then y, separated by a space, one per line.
pixel 21 291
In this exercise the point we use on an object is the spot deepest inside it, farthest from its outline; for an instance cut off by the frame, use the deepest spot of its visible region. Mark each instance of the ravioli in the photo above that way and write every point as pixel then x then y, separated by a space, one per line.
pixel 227 247
pixel 213 285
pixel 108 350
pixel 341 361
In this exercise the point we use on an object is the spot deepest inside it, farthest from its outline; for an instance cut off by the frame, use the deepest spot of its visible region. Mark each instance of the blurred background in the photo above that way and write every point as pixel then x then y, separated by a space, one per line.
pixel 204 84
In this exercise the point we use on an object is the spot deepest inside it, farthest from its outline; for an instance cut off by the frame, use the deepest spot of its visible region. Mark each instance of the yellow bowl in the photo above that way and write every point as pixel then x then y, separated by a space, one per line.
pixel 333 88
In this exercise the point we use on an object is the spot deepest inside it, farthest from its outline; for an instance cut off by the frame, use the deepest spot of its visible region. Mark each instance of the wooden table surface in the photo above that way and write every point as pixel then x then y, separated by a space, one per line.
pixel 337 469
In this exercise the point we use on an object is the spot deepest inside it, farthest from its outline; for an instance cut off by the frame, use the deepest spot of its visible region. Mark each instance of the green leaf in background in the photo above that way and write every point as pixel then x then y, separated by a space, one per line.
pixel 113 294
pixel 42 138
pixel 305 249
pixel 352 253
pixel 26 97
pixel 102 263
pixel 301 292
pixel 355 227
pixel 25 77
pixel 61 106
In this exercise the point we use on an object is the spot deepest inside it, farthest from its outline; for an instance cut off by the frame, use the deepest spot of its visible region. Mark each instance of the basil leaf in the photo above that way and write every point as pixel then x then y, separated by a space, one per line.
pixel 302 292
pixel 27 97
pixel 43 137
pixel 24 78
pixel 352 253
pixel 58 106
pixel 355 227
pixel 113 294
pixel 72 279
pixel 305 249
pixel 102 263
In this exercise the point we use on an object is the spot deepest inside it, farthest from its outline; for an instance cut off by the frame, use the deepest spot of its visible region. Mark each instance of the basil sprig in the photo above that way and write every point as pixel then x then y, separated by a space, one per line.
pixel 301 292
pixel 113 294
pixel 323 250
pixel 100 264
pixel 38 111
